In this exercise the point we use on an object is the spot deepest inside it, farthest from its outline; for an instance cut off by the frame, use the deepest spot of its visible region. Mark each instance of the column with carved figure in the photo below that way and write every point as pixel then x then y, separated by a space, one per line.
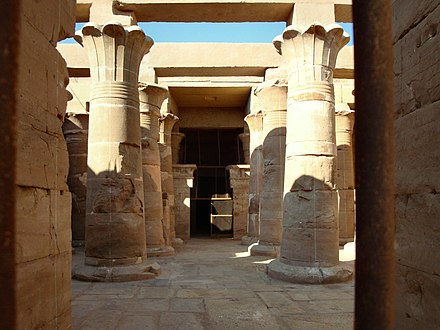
pixel 309 251
pixel 115 248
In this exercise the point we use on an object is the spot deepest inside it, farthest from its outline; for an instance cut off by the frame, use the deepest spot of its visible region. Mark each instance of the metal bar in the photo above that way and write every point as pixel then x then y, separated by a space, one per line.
pixel 10 40
pixel 375 223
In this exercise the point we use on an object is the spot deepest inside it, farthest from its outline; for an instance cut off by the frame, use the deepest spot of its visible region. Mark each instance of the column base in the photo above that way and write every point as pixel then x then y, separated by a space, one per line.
pixel 160 251
pixel 144 271
pixel 177 242
pixel 309 275
pixel 259 249
pixel 248 240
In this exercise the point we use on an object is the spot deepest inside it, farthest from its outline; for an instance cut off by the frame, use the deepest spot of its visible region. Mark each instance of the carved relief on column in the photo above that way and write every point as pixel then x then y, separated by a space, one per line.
pixel 75 129
pixel 239 182
pixel 183 175
pixel 255 124
pixel 176 140
pixel 151 98
pixel 345 172
pixel 309 248
pixel 167 122
pixel 115 226
pixel 274 99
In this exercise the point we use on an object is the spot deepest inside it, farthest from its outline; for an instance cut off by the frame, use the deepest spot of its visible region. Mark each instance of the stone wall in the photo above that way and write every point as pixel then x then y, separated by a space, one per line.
pixel 417 127
pixel 43 203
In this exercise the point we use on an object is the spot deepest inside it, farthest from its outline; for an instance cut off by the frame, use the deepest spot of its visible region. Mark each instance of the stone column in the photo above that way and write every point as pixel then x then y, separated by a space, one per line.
pixel 167 122
pixel 239 182
pixel 255 124
pixel 176 139
pixel 244 138
pixel 183 175
pixel 75 129
pixel 274 99
pixel 345 172
pixel 309 250
pixel 115 225
pixel 151 98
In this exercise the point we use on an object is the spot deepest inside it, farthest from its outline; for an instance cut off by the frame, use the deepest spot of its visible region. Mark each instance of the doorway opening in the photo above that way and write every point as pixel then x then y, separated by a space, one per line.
pixel 212 150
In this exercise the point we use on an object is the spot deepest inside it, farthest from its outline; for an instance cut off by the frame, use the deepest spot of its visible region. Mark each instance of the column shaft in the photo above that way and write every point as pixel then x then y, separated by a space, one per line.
pixel 167 122
pixel 309 248
pixel 115 224
pixel 345 172
pixel 152 97
pixel 274 99
pixel 255 124
pixel 75 129
pixel 244 138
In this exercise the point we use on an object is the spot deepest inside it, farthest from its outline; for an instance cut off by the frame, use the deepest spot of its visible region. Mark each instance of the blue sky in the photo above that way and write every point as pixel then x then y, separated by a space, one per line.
pixel 216 32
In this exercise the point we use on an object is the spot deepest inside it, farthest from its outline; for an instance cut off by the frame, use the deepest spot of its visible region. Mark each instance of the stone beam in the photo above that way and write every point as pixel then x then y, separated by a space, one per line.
pixel 205 59
pixel 213 10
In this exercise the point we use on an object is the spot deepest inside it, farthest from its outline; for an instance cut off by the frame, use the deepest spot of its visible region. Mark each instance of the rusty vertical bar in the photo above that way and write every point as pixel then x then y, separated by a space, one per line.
pixel 9 41
pixel 374 298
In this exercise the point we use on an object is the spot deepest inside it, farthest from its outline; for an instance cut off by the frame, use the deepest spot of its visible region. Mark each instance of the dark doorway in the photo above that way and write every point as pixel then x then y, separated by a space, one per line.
pixel 211 150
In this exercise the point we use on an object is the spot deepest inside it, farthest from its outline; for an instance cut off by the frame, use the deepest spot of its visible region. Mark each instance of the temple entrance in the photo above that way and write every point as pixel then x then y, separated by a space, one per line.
pixel 211 150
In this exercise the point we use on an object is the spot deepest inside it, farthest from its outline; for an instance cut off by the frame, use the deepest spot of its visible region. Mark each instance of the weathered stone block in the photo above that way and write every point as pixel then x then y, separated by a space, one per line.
pixel 55 20
pixel 273 179
pixel 312 209
pixel 41 305
pixel 153 205
pixel 271 230
pixel 417 298
pixel 150 152
pixel 42 159
pixel 114 159
pixel 417 83
pixel 115 239
pixel 310 247
pixel 318 125
pixel 417 166
pixel 272 205
pixel 152 178
pixel 274 150
pixel 417 227
pixel 43 223
pixel 308 173
pixel 115 195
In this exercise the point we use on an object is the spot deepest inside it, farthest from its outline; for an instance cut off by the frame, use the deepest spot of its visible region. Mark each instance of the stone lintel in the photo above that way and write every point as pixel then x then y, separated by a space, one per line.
pixel 102 11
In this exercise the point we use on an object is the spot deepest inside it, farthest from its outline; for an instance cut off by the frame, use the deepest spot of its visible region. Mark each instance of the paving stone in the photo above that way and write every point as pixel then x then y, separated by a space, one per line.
pixel 275 299
pixel 155 292
pixel 237 295
pixel 138 322
pixel 194 305
pixel 171 321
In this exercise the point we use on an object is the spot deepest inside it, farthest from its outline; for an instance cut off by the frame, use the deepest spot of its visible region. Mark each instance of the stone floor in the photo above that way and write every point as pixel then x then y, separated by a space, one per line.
pixel 212 284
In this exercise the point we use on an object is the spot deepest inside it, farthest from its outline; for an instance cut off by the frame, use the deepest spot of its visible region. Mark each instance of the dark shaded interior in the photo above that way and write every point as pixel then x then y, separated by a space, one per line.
pixel 211 150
